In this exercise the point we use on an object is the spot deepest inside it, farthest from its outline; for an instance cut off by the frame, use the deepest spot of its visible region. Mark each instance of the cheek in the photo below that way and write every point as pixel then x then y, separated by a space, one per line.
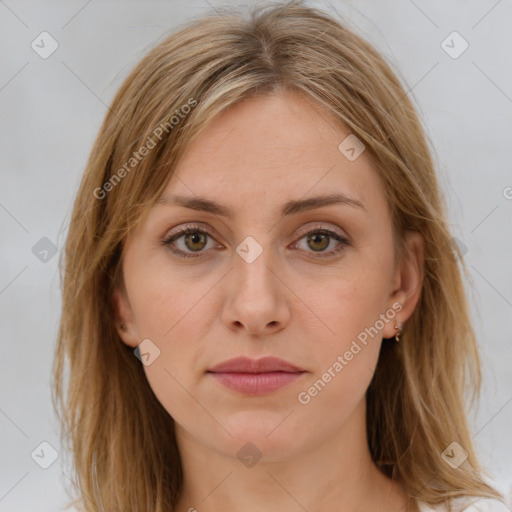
pixel 345 307
pixel 162 298
pixel 346 335
pixel 346 358
pixel 331 397
pixel 175 313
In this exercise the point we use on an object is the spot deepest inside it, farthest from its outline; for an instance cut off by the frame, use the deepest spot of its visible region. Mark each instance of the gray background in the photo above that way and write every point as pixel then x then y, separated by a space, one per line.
pixel 52 109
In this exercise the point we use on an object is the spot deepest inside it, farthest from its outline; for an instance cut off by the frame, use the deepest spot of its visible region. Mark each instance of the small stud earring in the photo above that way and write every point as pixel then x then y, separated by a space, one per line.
pixel 397 335
pixel 123 327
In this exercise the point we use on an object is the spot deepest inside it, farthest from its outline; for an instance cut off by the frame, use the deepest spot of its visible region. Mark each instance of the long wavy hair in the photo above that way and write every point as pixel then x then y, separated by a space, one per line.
pixel 120 437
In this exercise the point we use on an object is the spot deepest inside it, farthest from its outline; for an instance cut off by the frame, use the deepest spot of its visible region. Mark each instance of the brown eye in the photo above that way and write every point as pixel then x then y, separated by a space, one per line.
pixel 195 241
pixel 318 241
pixel 192 242
pixel 188 241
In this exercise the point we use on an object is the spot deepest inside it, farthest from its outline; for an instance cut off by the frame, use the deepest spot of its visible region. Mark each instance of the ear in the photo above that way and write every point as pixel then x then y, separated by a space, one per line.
pixel 407 281
pixel 124 316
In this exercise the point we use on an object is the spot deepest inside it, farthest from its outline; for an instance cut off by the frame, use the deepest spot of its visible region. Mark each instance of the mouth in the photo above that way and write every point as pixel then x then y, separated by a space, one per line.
pixel 256 376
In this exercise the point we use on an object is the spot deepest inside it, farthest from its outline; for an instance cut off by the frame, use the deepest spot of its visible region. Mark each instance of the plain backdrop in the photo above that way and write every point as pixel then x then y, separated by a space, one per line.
pixel 51 110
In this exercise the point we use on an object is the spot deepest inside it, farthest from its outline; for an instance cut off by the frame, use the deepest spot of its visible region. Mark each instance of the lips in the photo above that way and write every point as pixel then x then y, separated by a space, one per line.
pixel 263 365
pixel 255 376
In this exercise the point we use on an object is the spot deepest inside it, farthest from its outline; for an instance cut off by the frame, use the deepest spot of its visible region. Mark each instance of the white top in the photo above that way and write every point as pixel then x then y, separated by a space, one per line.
pixel 469 504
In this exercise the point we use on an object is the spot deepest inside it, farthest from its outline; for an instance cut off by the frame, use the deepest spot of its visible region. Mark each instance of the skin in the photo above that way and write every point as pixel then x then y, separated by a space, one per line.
pixel 290 302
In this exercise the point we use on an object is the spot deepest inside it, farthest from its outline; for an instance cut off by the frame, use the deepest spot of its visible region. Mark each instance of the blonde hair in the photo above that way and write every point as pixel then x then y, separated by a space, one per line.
pixel 121 438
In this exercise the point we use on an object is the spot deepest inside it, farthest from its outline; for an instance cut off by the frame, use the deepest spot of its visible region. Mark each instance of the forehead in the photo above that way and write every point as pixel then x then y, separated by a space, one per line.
pixel 274 148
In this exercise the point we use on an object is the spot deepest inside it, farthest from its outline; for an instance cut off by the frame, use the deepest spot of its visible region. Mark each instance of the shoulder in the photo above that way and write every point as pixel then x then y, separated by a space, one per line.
pixel 467 504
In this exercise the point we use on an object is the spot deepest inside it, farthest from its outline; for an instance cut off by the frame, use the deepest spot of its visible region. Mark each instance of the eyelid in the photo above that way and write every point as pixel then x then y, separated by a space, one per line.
pixel 322 227
pixel 197 226
pixel 304 230
pixel 317 227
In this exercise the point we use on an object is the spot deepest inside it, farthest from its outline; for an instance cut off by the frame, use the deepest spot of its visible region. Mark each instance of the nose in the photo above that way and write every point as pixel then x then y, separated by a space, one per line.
pixel 256 298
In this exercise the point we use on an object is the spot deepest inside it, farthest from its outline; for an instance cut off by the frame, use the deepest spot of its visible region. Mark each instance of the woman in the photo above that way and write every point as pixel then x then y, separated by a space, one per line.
pixel 261 305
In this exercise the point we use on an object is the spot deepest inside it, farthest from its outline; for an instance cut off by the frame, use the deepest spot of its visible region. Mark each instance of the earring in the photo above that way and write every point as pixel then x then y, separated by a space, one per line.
pixel 397 335
pixel 123 327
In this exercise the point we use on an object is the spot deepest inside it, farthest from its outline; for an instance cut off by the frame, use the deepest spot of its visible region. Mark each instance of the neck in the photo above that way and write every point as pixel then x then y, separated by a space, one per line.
pixel 335 474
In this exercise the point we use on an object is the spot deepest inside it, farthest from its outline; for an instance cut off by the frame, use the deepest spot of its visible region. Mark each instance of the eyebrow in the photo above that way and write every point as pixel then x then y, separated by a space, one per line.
pixel 289 208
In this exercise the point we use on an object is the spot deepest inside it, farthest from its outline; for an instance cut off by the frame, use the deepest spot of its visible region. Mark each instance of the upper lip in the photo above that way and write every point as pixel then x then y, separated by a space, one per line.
pixel 262 365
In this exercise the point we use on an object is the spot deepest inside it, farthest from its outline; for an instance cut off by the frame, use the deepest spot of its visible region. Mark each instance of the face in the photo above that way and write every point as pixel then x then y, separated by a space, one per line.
pixel 269 273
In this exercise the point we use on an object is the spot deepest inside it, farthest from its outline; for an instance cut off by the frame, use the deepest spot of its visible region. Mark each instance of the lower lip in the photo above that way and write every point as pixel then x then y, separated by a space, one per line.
pixel 256 383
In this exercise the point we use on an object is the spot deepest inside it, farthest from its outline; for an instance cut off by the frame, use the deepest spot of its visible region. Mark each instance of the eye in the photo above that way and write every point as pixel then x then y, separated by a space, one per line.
pixel 319 239
pixel 191 240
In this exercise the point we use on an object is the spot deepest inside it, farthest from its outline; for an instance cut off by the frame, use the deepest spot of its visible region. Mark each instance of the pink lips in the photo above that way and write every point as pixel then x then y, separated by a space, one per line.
pixel 255 376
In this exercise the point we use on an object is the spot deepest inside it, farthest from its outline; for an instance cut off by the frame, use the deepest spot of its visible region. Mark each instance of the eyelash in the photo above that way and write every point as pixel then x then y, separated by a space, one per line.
pixel 192 229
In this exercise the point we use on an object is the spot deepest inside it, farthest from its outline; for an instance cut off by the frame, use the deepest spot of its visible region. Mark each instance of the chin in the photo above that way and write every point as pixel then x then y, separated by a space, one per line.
pixel 272 436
